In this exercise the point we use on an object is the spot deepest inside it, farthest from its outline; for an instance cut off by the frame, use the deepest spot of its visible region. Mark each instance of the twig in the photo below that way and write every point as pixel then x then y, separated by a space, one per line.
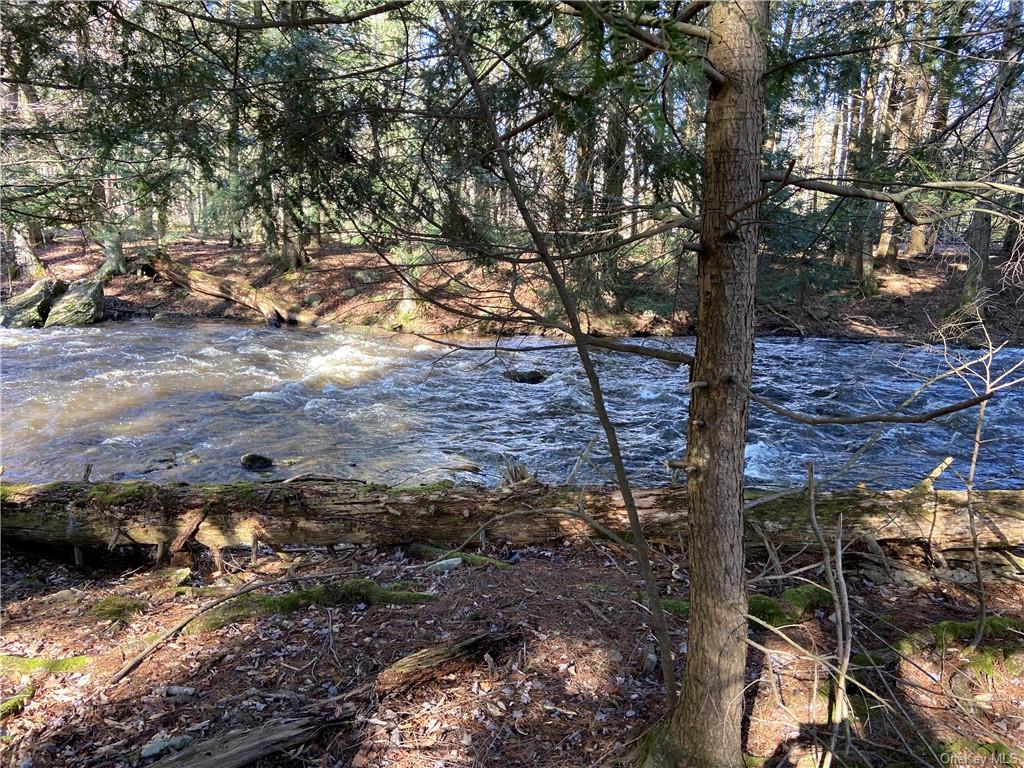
pixel 837 714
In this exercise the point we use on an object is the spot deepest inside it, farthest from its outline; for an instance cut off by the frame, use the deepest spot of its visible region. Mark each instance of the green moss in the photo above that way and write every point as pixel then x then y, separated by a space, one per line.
pixel 769 610
pixel 995 652
pixel 16 703
pixel 989 660
pixel 7 491
pixel 907 646
pixel 440 485
pixel 602 588
pixel 23 665
pixel 983 661
pixel 252 605
pixel 806 598
pixel 996 627
pixel 116 608
pixel 243 493
pixel 120 494
pixel 676 607
pixel 430 552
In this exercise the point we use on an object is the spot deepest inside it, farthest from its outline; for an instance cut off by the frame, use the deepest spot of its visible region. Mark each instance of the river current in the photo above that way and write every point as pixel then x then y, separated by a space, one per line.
pixel 182 402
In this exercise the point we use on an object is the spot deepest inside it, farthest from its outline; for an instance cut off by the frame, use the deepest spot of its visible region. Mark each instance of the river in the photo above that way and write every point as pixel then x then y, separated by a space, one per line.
pixel 171 401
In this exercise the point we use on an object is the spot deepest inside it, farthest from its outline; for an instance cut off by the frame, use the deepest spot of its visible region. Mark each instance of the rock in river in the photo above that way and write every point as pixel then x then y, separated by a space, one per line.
pixel 256 462
pixel 82 304
pixel 526 377
pixel 29 309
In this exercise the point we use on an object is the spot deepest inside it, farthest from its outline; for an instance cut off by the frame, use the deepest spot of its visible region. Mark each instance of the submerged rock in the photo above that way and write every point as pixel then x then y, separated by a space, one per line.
pixel 256 462
pixel 82 304
pixel 526 377
pixel 30 308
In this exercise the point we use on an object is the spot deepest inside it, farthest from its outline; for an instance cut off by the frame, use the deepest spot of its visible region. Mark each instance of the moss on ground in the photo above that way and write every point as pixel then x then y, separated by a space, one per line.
pixel 1001 646
pixel 769 610
pixel 796 604
pixel 252 605
pixel 116 608
pixel 676 607
pixel 10 665
pixel 430 552
pixel 16 703
pixel 805 598
pixel 946 633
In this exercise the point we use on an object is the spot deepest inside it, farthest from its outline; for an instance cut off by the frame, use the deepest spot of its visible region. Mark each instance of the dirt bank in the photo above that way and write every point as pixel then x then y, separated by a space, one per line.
pixel 347 284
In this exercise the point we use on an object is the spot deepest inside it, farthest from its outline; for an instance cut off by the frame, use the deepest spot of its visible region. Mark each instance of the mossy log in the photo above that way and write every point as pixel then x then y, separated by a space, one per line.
pixel 273 309
pixel 320 513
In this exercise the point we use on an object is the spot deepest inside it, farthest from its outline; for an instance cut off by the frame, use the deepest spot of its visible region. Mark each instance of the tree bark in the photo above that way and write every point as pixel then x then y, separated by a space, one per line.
pixel 317 513
pixel 273 309
pixel 704 730
pixel 24 256
pixel 114 261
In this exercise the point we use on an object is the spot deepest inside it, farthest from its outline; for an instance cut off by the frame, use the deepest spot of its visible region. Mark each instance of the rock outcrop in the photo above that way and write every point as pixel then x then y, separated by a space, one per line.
pixel 81 304
pixel 31 308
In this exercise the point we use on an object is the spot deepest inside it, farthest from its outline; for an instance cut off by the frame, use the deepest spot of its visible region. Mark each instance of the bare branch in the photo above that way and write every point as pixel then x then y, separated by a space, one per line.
pixel 866 418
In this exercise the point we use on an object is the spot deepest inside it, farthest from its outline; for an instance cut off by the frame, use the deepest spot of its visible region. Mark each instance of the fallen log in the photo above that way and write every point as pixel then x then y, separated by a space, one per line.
pixel 273 309
pixel 314 512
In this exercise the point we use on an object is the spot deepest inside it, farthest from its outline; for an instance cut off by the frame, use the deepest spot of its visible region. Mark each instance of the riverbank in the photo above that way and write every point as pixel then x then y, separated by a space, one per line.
pixel 350 285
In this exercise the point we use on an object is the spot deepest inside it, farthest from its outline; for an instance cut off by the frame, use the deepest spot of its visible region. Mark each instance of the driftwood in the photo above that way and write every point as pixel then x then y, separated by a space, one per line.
pixel 325 513
pixel 273 309
pixel 237 749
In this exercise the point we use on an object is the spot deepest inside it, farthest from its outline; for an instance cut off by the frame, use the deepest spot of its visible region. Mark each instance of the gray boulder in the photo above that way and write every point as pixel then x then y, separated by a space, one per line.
pixel 81 304
pixel 30 309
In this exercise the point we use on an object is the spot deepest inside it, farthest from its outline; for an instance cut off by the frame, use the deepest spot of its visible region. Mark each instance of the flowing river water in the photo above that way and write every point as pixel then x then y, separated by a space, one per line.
pixel 182 402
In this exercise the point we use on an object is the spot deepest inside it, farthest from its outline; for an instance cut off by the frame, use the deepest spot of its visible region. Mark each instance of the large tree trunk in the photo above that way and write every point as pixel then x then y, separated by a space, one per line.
pixel 114 260
pixel 704 730
pixel 312 512
pixel 273 309
pixel 24 256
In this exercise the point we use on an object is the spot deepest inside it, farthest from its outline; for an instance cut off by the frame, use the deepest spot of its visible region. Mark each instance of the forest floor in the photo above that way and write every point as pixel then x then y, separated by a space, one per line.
pixel 573 683
pixel 346 284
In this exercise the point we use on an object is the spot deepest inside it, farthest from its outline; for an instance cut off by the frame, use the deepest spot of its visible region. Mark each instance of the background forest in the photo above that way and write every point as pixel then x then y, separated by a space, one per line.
pixel 314 136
